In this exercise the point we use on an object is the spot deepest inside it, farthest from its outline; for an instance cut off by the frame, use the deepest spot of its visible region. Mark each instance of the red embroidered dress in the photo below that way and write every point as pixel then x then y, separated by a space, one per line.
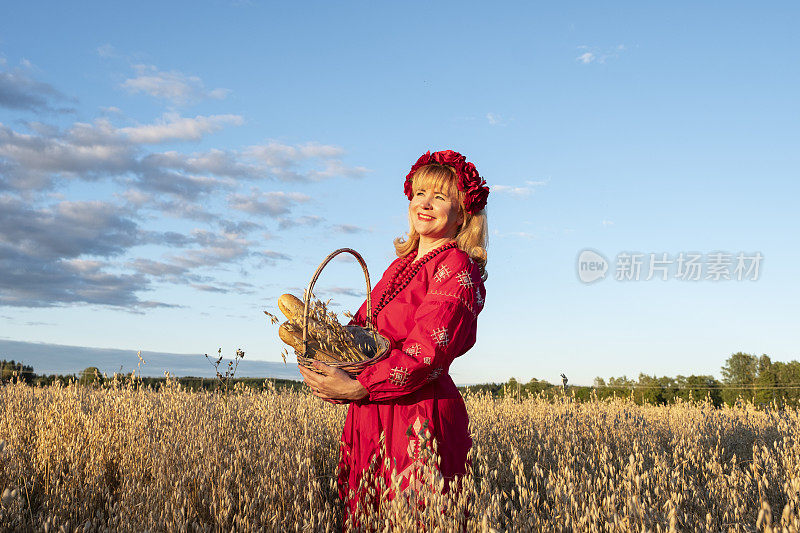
pixel 430 321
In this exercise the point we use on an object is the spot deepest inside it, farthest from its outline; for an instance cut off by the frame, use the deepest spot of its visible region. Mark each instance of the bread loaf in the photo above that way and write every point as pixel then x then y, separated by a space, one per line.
pixel 291 306
pixel 294 338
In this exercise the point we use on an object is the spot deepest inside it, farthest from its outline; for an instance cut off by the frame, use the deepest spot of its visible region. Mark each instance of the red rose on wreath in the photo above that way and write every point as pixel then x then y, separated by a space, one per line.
pixel 468 180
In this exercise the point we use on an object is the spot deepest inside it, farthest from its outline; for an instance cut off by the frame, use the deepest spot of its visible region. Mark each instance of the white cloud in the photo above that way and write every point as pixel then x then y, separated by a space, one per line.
pixel 219 94
pixel 596 55
pixel 20 91
pixel 523 235
pixel 106 50
pixel 173 85
pixel 348 229
pixel 308 220
pixel 527 190
pixel 607 223
pixel 174 127
pixel 271 254
pixel 289 163
pixel 56 252
pixel 92 151
pixel 215 249
pixel 515 191
pixel 538 183
pixel 281 155
pixel 266 203
pixel 493 118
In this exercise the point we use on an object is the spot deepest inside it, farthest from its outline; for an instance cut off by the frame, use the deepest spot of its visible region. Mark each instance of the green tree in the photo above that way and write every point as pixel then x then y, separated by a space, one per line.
pixel 739 375
pixel 788 376
pixel 621 382
pixel 513 388
pixel 90 375
pixel 698 387
pixel 766 381
pixel 535 386
pixel 9 368
pixel 650 390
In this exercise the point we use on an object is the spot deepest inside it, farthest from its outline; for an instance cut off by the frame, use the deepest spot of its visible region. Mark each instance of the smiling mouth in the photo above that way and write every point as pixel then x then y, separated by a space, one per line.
pixel 425 217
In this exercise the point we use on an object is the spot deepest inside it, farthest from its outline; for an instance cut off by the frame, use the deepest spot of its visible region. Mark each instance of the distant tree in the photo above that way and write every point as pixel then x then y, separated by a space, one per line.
pixel 739 375
pixel 6 369
pixel 90 375
pixel 699 387
pixel 9 368
pixel 535 386
pixel 740 369
pixel 766 382
pixel 650 390
pixel 599 382
pixel 788 378
pixel 621 382
pixel 513 387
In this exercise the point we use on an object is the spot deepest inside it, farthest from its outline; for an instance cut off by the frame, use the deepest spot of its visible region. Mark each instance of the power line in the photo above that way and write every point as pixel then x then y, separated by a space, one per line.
pixel 691 387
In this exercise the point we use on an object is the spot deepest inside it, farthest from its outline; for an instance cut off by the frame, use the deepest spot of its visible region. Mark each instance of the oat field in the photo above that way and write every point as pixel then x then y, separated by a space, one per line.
pixel 124 458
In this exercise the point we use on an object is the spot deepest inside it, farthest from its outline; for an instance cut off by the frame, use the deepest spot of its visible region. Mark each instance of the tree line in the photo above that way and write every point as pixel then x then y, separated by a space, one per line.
pixel 92 376
pixel 744 377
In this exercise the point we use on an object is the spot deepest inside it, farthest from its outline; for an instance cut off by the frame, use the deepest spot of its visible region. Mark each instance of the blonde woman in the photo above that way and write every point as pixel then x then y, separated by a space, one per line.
pixel 427 303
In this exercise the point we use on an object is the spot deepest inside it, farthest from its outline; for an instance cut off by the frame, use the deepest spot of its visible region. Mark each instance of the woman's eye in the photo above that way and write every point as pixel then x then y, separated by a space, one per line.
pixel 439 197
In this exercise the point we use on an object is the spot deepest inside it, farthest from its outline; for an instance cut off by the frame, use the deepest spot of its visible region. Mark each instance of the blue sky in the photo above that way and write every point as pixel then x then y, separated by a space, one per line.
pixel 168 169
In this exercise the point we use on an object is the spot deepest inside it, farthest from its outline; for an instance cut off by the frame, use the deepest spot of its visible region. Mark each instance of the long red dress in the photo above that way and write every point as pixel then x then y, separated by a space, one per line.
pixel 430 322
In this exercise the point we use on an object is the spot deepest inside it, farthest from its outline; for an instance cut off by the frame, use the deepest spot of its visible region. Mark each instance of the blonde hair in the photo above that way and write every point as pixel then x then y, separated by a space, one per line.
pixel 472 236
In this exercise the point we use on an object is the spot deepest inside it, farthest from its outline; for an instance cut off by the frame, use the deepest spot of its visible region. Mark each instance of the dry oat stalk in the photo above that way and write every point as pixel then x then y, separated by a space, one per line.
pixel 328 339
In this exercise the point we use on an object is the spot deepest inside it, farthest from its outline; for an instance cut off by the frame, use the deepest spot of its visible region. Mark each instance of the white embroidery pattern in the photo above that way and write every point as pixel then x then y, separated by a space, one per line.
pixel 478 297
pixel 413 350
pixel 464 279
pixel 399 376
pixel 440 336
pixel 427 360
pixel 456 297
pixel 435 373
pixel 420 433
pixel 441 273
pixel 413 442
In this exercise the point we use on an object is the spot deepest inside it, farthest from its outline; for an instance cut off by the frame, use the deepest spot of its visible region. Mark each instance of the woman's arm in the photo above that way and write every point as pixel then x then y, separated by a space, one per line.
pixel 332 384
pixel 445 325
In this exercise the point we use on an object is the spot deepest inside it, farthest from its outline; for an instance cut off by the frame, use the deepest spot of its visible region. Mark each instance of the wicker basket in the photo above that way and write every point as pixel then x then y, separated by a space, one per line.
pixel 382 344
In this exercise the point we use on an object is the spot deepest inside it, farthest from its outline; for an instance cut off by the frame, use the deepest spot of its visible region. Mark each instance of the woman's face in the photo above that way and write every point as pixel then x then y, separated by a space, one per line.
pixel 434 214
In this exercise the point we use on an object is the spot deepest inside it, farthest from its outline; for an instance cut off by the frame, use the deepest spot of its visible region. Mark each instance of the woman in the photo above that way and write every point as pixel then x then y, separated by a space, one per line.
pixel 426 303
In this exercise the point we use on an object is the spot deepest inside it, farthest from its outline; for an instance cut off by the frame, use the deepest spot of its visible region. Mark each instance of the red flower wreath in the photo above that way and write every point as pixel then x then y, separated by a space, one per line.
pixel 468 180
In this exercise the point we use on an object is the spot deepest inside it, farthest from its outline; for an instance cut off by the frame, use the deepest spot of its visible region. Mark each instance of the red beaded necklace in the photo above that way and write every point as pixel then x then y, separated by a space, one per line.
pixel 397 282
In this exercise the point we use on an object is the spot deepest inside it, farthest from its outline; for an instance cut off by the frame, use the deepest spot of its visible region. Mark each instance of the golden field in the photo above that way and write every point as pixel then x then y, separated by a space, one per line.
pixel 124 458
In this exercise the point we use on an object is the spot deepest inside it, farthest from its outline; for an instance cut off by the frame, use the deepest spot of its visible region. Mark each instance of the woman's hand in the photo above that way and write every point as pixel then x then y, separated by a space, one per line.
pixel 332 383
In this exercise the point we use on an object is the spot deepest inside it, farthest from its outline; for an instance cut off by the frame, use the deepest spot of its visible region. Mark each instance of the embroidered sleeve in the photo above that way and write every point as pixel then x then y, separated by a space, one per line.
pixel 445 325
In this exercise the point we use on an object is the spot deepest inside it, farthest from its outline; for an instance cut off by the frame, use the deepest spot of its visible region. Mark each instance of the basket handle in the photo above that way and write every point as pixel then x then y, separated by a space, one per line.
pixel 314 280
